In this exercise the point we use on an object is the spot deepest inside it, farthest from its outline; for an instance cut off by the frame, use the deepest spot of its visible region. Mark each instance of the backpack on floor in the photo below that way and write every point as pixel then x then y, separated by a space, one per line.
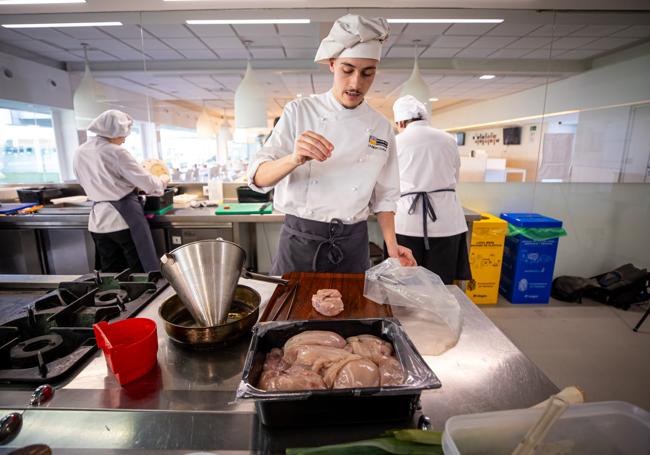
pixel 570 288
pixel 621 287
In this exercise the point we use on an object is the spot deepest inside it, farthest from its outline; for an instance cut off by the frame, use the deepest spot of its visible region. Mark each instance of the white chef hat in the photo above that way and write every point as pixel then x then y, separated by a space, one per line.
pixel 112 124
pixel 354 36
pixel 409 107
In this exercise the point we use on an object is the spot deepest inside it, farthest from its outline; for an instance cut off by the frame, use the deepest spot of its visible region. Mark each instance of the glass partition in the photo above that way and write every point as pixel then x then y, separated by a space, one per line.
pixel 540 97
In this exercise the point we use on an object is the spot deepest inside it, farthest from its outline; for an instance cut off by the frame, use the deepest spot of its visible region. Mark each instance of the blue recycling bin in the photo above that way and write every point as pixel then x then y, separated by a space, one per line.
pixel 527 267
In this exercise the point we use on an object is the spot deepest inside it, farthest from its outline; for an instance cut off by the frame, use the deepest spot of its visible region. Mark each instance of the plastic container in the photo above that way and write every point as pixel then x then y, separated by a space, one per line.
pixel 215 190
pixel 130 347
pixel 608 427
pixel 485 258
pixel 527 270
pixel 246 194
pixel 42 195
pixel 336 406
pixel 157 203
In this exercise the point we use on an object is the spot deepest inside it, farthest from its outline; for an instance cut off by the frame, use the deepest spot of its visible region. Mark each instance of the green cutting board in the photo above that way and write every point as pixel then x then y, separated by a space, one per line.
pixel 243 208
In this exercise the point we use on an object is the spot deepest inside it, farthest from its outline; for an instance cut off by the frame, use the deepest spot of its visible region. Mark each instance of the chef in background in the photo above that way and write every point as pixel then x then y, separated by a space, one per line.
pixel 332 161
pixel 430 219
pixel 110 176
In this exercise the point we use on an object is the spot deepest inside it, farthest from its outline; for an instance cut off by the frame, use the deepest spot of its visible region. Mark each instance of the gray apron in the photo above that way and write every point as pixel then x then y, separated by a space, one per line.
pixel 315 246
pixel 427 209
pixel 133 213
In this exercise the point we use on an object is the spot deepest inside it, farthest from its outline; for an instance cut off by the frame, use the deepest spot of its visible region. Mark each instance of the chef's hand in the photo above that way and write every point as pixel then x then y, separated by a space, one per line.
pixel 404 255
pixel 311 146
pixel 165 178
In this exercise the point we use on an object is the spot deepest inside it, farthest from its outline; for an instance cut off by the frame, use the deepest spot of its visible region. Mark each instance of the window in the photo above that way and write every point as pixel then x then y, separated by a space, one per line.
pixel 28 153
pixel 133 142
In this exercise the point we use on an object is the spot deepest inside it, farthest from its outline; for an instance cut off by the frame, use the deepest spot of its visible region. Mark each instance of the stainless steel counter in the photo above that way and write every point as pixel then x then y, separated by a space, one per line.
pixel 484 371
pixel 75 217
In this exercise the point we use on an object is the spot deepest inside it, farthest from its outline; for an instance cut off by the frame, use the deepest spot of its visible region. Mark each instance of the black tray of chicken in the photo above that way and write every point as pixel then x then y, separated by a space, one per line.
pixel 335 405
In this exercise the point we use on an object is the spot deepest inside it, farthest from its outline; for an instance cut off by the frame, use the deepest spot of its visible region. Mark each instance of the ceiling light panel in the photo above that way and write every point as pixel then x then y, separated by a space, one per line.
pixel 64 25
pixel 245 21
pixel 444 21
pixel 38 2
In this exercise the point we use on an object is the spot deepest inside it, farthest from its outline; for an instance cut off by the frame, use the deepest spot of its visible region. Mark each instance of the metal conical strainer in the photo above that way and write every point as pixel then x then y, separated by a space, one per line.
pixel 204 274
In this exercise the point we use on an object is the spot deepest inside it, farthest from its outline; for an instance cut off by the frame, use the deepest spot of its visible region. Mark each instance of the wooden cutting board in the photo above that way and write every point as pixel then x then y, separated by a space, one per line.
pixel 350 286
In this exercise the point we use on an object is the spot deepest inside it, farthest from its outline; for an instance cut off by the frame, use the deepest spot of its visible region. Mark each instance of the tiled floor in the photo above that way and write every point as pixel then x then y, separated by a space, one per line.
pixel 590 345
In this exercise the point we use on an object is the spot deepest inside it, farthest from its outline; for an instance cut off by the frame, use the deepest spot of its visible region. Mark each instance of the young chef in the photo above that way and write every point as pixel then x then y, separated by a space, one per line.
pixel 110 175
pixel 332 160
pixel 430 218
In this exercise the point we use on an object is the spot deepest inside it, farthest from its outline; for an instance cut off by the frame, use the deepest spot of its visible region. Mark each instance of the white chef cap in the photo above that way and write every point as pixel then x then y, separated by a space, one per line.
pixel 112 124
pixel 409 107
pixel 353 36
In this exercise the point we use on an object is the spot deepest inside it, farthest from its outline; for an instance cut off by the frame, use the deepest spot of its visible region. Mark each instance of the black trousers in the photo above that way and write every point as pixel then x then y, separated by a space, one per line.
pixel 447 256
pixel 115 252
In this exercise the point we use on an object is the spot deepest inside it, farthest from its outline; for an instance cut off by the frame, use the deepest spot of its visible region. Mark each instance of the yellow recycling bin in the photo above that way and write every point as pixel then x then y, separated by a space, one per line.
pixel 485 258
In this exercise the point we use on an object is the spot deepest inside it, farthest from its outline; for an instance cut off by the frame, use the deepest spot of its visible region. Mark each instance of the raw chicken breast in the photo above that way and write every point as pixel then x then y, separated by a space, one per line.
pixel 390 372
pixel 327 302
pixel 370 347
pixel 330 374
pixel 357 373
pixel 319 337
pixel 324 293
pixel 317 357
pixel 295 378
pixel 274 361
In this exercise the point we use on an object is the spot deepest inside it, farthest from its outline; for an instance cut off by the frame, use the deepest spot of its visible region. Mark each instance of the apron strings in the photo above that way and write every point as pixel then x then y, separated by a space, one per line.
pixel 335 254
pixel 427 209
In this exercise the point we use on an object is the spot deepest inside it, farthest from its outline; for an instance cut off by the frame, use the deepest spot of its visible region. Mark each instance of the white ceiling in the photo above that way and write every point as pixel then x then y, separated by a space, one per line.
pixel 204 63
pixel 160 5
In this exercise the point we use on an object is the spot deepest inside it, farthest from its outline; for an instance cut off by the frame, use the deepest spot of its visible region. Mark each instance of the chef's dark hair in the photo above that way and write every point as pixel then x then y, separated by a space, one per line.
pixel 415 119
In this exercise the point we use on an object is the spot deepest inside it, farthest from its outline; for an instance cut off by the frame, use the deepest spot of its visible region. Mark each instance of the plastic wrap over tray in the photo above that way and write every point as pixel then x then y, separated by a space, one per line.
pixel 336 405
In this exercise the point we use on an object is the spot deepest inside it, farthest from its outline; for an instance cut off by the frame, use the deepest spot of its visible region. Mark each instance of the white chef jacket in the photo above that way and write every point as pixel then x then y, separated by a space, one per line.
pixel 428 160
pixel 108 172
pixel 360 176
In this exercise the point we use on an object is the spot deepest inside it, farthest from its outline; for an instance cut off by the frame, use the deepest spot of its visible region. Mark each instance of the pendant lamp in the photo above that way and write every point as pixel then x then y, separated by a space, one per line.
pixel 250 102
pixel 205 126
pixel 225 135
pixel 416 85
pixel 84 101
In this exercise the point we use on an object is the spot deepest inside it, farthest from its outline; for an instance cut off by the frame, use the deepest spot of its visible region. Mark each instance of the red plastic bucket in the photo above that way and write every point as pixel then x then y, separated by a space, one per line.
pixel 130 347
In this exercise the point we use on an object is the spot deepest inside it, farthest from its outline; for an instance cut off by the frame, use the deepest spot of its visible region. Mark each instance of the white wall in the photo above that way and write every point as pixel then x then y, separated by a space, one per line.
pixel 608 224
pixel 600 145
pixel 619 83
pixel 34 83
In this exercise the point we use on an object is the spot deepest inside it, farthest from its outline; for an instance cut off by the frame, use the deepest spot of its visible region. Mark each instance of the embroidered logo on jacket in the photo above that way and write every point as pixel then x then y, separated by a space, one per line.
pixel 376 143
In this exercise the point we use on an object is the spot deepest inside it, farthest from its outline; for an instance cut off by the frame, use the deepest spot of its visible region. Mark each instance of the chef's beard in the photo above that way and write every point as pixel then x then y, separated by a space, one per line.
pixel 361 97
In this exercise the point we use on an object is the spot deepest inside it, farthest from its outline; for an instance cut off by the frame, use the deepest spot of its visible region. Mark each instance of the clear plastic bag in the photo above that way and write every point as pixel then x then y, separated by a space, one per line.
pixel 420 295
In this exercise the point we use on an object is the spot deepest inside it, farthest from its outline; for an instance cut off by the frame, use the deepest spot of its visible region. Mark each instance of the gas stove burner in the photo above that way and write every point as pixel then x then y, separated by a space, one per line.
pixel 50 338
pixel 111 297
pixel 25 354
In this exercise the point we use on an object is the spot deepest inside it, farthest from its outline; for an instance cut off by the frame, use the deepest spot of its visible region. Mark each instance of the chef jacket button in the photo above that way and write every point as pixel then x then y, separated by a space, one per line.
pixel 368 130
pixel 360 160
pixel 322 119
pixel 354 188
pixel 314 181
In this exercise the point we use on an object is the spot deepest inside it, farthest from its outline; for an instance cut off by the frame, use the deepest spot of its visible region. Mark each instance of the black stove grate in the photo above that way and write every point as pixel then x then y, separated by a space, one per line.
pixel 53 337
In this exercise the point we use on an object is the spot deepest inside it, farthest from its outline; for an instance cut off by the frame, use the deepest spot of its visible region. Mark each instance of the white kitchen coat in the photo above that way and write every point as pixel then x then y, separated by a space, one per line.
pixel 361 175
pixel 108 172
pixel 428 160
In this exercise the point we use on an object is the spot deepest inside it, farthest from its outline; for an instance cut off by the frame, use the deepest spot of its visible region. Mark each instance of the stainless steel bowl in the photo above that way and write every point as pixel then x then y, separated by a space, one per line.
pixel 182 328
